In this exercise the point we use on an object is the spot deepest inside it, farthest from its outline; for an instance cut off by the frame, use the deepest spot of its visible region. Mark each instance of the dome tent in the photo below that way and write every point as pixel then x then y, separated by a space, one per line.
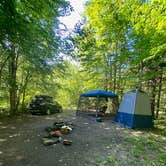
pixel 135 110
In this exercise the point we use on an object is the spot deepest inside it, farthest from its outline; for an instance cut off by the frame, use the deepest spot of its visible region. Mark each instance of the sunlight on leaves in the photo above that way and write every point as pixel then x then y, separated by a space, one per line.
pixel 14 135
pixel 19 157
pixel 3 140
pixel 3 127
pixel 13 127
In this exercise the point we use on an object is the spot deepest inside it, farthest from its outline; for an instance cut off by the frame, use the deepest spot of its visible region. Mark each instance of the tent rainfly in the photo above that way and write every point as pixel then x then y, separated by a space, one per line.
pixel 135 111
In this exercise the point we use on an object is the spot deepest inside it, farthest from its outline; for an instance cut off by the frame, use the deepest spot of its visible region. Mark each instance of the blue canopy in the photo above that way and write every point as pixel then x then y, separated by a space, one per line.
pixel 98 93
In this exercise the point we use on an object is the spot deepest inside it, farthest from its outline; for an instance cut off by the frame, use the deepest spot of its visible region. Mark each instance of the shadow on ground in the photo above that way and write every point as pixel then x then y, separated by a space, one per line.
pixel 94 143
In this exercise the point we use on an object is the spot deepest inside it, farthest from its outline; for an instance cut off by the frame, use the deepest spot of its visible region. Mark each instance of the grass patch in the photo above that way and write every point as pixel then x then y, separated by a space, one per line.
pixel 160 125
pixel 140 150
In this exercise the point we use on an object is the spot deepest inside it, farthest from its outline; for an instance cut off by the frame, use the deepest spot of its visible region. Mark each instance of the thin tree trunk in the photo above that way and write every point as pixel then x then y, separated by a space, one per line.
pixel 110 78
pixel 23 100
pixel 2 66
pixel 106 81
pixel 159 95
pixel 119 79
pixel 28 76
pixel 115 66
pixel 114 85
pixel 109 72
pixel 13 81
pixel 140 74
pixel 153 95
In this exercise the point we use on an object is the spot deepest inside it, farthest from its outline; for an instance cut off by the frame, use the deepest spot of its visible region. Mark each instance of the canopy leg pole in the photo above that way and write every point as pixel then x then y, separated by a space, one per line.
pixel 97 106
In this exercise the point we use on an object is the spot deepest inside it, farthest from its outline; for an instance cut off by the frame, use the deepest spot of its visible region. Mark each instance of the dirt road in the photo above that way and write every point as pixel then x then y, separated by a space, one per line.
pixel 20 141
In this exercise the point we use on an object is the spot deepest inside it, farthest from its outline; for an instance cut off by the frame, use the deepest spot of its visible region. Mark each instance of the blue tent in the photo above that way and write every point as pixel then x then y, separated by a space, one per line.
pixel 98 93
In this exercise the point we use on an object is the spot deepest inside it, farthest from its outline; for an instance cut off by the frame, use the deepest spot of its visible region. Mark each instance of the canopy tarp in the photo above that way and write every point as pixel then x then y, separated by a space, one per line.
pixel 98 93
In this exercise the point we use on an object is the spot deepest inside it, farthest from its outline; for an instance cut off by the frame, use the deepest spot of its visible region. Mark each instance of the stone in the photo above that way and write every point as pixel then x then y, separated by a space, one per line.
pixel 66 129
pixel 56 133
pixel 48 141
pixel 67 142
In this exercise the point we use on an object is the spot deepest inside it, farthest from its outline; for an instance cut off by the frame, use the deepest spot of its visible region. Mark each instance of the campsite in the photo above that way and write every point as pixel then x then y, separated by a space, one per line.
pixel 94 143
pixel 93 139
pixel 82 83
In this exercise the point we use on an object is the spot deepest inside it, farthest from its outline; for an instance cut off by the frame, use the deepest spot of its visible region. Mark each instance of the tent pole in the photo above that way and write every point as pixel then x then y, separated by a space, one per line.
pixel 97 106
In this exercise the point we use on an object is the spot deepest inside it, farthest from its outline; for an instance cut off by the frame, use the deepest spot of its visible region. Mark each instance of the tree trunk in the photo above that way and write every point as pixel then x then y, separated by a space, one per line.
pixel 119 79
pixel 114 85
pixel 159 95
pixel 23 100
pixel 12 80
pixel 140 76
pixel 109 64
pixel 106 81
pixel 2 65
pixel 153 95
pixel 28 76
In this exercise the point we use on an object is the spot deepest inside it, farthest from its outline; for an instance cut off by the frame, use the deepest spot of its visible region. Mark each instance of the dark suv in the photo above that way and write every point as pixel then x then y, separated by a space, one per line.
pixel 43 104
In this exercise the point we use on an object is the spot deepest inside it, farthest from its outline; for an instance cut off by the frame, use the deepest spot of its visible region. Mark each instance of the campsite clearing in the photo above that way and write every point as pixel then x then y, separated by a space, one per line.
pixel 94 143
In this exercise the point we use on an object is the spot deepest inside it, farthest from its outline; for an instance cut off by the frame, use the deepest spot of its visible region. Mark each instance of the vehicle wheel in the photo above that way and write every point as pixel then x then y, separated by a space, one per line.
pixel 48 112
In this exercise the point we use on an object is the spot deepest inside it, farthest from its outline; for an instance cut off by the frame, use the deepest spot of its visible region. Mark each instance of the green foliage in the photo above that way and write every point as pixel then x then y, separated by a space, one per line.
pixel 160 124
pixel 123 43
pixel 29 43
pixel 120 45
pixel 71 85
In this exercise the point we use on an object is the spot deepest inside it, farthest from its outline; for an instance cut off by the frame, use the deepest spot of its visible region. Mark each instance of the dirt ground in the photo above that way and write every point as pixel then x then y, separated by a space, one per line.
pixel 20 142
